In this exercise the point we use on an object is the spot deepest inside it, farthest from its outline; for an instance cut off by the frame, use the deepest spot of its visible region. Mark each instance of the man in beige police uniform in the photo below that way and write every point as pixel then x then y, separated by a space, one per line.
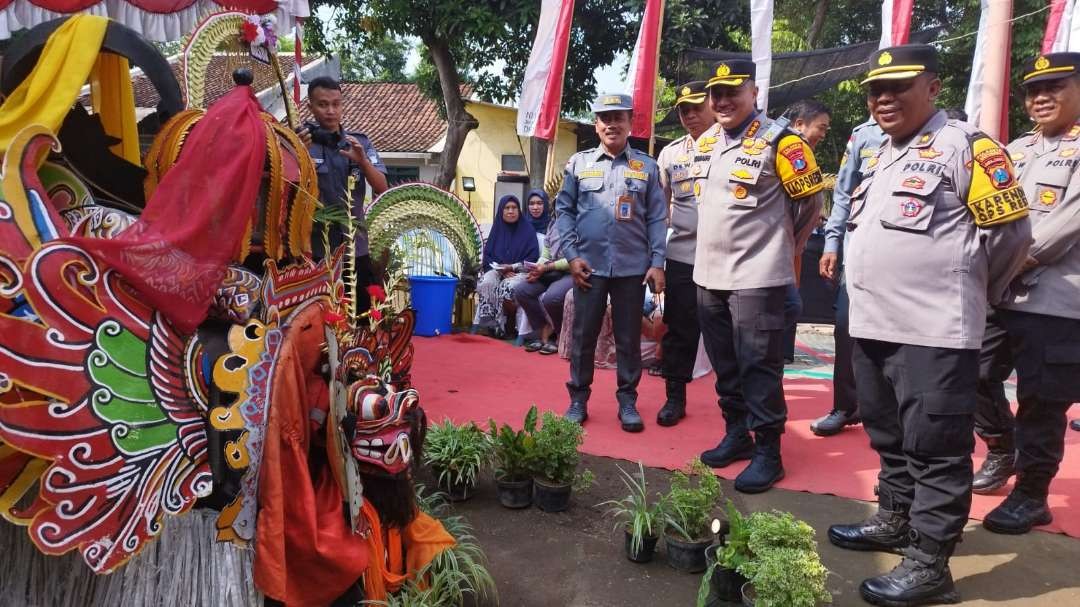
pixel 938 227
pixel 1040 313
pixel 758 205
pixel 677 162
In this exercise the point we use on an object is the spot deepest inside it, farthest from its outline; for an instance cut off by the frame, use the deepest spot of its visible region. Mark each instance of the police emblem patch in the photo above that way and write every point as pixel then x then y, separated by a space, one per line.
pixel 685 91
pixel 911 207
pixel 915 183
pixel 739 192
pixel 995 164
pixel 723 70
pixel 697 188
pixel 1048 198
pixel 753 146
pixel 929 153
pixel 1042 63
pixel 637 165
pixel 885 58
pixel 796 156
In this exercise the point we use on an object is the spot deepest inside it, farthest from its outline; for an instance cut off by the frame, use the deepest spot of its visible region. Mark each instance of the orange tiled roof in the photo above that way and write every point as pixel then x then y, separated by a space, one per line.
pixel 218 78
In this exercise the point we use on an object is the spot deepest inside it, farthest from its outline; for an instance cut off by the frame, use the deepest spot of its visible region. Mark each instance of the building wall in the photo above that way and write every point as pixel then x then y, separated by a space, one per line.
pixel 481 156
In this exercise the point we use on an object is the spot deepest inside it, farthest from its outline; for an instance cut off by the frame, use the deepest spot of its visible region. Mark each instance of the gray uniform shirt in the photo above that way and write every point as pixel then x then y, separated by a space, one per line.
pixel 1048 173
pixel 333 172
pixel 759 198
pixel 590 199
pixel 920 270
pixel 677 162
pixel 861 147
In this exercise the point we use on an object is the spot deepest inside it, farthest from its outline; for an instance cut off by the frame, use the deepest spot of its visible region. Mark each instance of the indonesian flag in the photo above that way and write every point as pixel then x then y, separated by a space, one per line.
pixel 895 22
pixel 541 92
pixel 761 18
pixel 1062 27
pixel 644 68
pixel 298 57
pixel 988 84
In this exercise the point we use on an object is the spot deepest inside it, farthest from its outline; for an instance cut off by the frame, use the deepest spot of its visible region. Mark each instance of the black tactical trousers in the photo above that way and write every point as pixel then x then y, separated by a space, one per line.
pixel 843 373
pixel 743 332
pixel 1046 351
pixel 680 344
pixel 627 303
pixel 994 417
pixel 918 407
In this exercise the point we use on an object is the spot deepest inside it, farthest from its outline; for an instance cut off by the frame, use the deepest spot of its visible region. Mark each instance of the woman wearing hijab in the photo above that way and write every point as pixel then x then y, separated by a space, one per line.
pixel 541 295
pixel 539 207
pixel 511 242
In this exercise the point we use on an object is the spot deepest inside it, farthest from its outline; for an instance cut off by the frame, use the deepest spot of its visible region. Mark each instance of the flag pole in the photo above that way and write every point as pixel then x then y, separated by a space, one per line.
pixel 656 76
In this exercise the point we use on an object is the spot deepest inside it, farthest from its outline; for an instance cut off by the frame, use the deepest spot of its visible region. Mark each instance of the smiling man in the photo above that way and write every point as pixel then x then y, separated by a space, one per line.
pixel 937 228
pixel 758 202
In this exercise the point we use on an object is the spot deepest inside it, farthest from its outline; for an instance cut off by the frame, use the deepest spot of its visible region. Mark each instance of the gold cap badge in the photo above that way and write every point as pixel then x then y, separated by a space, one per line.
pixel 612 100
pixel 723 70
pixel 685 90
pixel 1042 63
pixel 885 58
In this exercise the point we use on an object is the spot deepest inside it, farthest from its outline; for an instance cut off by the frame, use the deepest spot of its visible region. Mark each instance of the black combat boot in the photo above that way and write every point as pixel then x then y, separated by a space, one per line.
pixel 766 467
pixel 630 419
pixel 922 578
pixel 886 531
pixel 1018 514
pixel 998 467
pixel 578 412
pixel 674 408
pixel 735 446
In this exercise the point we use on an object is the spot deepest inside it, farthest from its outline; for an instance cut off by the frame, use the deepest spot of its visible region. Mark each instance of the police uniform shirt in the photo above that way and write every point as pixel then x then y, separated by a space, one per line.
pixel 596 189
pixel 759 199
pixel 861 147
pixel 937 228
pixel 1048 174
pixel 333 171
pixel 679 164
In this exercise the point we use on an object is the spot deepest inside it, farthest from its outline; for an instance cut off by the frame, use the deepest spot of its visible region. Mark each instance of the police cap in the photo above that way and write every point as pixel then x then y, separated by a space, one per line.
pixel 732 72
pixel 901 62
pixel 611 103
pixel 1051 66
pixel 692 93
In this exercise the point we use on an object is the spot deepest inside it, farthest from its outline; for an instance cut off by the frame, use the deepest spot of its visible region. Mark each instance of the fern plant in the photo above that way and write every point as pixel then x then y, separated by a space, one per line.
pixel 457 453
pixel 634 512
pixel 691 500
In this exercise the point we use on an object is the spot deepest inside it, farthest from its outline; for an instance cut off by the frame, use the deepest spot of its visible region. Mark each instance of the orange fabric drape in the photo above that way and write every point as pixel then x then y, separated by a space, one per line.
pixel 423 540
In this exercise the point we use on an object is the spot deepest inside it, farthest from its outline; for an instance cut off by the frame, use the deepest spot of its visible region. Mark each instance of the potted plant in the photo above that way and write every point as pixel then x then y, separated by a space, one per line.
pixel 688 511
pixel 722 580
pixel 513 451
pixel 555 461
pixel 456 455
pixel 781 563
pixel 641 521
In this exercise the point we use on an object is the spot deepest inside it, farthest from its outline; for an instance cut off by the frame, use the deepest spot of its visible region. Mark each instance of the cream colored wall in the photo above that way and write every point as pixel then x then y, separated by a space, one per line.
pixel 481 156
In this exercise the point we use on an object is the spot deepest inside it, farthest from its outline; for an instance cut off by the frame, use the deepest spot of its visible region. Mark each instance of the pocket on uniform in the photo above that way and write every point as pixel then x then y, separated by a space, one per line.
pixel 683 189
pixel 1060 375
pixel 913 200
pixel 1047 197
pixel 943 424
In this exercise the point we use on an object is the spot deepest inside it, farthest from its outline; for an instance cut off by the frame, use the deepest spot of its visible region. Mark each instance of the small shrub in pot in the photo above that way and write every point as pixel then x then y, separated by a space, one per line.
pixel 688 510
pixel 555 461
pixel 513 452
pixel 642 522
pixel 456 455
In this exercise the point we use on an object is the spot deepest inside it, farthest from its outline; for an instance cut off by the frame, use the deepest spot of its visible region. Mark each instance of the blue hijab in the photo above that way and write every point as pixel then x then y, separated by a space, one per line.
pixel 540 224
pixel 510 242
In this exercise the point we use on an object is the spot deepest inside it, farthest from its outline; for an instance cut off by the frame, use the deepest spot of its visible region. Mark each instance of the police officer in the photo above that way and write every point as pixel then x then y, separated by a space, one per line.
pixel 861 147
pixel 1040 313
pixel 611 218
pixel 676 162
pixel 341 157
pixel 758 205
pixel 938 227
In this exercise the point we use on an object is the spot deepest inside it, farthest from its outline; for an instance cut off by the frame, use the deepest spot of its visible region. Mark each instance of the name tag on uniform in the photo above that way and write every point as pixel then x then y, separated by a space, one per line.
pixel 624 208
pixel 680 174
pixel 642 175
pixel 590 173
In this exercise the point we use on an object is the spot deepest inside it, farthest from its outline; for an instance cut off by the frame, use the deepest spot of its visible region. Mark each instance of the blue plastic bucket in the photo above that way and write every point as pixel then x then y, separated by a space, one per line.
pixel 433 300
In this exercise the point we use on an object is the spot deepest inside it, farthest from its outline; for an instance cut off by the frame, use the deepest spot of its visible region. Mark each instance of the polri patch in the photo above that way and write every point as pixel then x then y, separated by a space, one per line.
pixel 640 175
pixel 590 173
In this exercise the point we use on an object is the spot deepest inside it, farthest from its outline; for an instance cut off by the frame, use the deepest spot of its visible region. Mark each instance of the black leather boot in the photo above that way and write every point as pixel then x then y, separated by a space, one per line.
pixel 736 445
pixel 674 407
pixel 998 466
pixel 886 531
pixel 1018 514
pixel 766 467
pixel 630 419
pixel 922 578
pixel 578 412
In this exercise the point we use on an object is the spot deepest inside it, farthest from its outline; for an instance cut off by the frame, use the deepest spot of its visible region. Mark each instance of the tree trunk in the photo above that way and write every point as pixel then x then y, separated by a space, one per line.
pixel 814 35
pixel 458 121
pixel 538 151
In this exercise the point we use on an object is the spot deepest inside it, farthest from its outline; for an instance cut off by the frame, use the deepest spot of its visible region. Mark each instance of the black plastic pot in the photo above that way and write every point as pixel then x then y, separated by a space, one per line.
pixel 515 494
pixel 646 551
pixel 725 584
pixel 457 492
pixel 749 595
pixel 551 497
pixel 688 557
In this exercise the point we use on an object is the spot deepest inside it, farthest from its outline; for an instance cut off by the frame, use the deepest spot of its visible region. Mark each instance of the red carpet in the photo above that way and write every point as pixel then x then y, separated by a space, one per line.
pixel 468 377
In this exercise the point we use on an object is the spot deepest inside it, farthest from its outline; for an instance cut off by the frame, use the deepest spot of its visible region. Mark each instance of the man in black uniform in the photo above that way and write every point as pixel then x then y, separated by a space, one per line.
pixel 341 158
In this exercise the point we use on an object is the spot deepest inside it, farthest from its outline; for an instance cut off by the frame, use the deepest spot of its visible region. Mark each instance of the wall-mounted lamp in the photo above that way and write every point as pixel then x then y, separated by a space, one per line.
pixel 468 184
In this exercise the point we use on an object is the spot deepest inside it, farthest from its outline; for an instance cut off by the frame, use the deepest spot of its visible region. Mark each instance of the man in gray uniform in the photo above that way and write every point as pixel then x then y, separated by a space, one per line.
pixel 758 204
pixel 677 161
pixel 937 228
pixel 611 217
pixel 861 147
pixel 1040 313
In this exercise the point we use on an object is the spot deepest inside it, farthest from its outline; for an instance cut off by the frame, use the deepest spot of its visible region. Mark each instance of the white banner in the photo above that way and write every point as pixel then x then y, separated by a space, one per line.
pixel 978 72
pixel 761 18
pixel 552 35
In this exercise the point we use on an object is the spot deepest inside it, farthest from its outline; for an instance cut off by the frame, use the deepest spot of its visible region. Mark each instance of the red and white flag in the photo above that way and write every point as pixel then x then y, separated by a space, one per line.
pixel 1062 27
pixel 541 92
pixel 895 22
pixel 987 103
pixel 644 69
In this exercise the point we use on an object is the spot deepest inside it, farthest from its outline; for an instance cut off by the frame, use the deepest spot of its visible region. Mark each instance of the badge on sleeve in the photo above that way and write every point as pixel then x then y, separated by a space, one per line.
pixel 624 207
pixel 995 197
pixel 797 168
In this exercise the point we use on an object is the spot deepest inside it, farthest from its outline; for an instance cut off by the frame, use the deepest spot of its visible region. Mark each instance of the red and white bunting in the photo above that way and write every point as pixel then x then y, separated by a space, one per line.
pixel 895 22
pixel 644 69
pixel 541 91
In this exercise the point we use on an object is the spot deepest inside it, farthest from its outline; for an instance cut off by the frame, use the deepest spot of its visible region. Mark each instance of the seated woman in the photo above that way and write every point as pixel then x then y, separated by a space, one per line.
pixel 539 205
pixel 510 244
pixel 542 292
